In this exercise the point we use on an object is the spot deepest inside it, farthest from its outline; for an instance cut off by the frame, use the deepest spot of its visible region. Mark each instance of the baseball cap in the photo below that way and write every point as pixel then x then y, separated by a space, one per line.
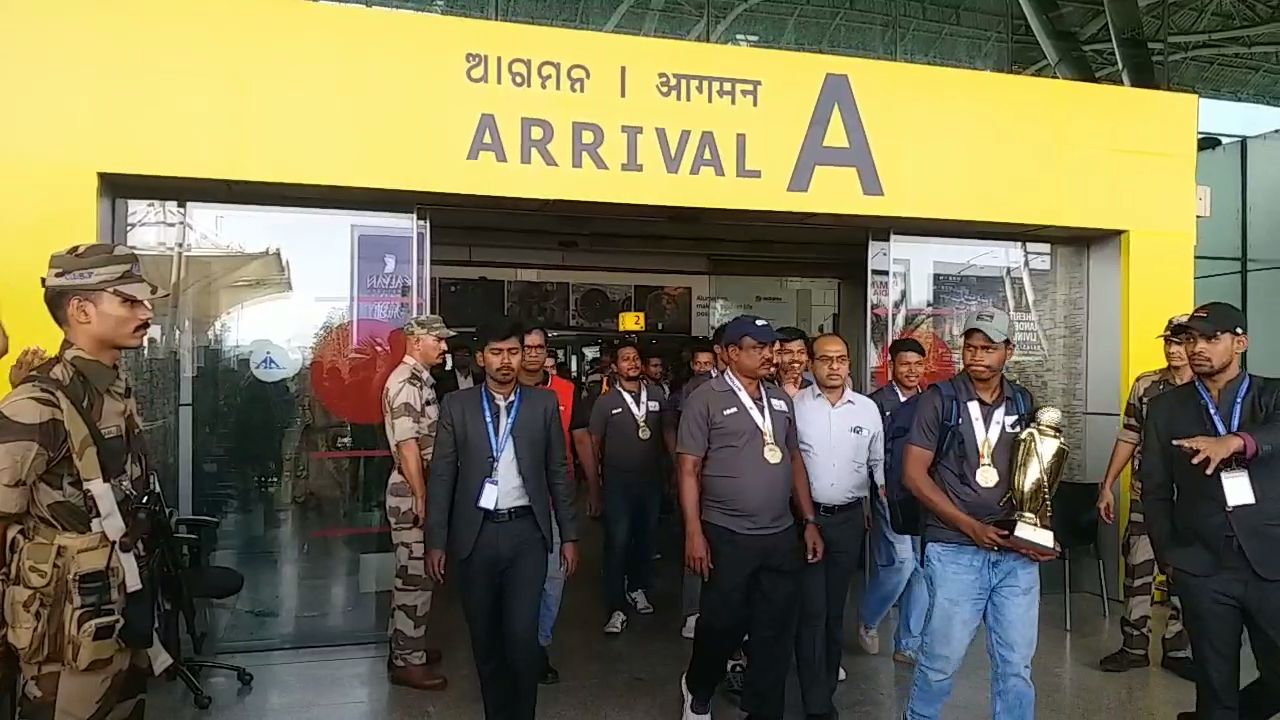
pixel 100 267
pixel 992 322
pixel 428 325
pixel 1173 323
pixel 1214 318
pixel 756 328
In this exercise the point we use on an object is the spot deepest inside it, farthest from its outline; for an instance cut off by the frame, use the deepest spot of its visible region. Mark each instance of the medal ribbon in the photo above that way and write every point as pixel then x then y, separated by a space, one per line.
pixel 763 421
pixel 637 412
pixel 987 437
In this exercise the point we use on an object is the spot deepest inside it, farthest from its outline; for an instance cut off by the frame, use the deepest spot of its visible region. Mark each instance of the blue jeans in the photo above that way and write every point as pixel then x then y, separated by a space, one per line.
pixel 552 589
pixel 898 579
pixel 969 586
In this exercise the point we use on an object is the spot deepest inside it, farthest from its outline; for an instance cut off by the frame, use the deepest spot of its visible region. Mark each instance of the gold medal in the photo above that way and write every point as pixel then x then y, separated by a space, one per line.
pixel 772 453
pixel 987 476
pixel 643 432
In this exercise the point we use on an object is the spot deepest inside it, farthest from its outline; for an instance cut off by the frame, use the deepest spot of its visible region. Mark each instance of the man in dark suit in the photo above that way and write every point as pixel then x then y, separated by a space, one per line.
pixel 460 376
pixel 1211 483
pixel 498 473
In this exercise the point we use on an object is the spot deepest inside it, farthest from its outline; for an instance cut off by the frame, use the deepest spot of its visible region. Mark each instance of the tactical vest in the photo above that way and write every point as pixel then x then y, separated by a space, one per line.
pixel 67 594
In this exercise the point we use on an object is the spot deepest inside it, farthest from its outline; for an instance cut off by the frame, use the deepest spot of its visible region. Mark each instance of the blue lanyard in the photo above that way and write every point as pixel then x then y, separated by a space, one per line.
pixel 496 445
pixel 1213 407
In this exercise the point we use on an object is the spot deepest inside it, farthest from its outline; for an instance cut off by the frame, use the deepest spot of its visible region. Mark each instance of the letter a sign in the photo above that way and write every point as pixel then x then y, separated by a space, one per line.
pixel 836 94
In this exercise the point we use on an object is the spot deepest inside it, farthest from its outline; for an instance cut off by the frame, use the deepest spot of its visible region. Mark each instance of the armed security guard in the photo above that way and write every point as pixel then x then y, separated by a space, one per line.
pixel 409 413
pixel 72 473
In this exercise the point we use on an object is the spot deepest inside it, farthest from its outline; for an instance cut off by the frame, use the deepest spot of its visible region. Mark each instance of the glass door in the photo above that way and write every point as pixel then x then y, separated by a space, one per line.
pixel 280 328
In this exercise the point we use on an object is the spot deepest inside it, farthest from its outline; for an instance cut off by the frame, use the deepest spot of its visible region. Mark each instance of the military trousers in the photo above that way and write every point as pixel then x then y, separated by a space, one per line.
pixel 1139 586
pixel 50 691
pixel 411 587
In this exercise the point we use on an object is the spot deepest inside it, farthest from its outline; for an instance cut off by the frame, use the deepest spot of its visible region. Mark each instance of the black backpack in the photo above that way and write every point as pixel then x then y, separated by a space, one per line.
pixel 906 517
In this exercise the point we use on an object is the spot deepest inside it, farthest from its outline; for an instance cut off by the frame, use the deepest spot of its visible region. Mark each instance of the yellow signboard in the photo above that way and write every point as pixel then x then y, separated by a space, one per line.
pixel 354 97
pixel 357 97
pixel 630 322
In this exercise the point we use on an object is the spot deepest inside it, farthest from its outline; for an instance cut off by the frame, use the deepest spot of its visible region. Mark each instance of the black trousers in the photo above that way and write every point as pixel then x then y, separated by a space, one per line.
pixel 1216 609
pixel 501 587
pixel 824 588
pixel 753 588
pixel 630 529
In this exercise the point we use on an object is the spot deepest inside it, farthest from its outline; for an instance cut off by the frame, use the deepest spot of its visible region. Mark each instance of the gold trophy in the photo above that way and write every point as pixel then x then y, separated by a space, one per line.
pixel 1038 460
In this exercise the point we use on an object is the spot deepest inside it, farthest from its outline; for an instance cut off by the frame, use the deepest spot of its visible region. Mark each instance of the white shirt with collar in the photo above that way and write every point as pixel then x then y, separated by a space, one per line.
pixel 511 492
pixel 842 445
pixel 465 379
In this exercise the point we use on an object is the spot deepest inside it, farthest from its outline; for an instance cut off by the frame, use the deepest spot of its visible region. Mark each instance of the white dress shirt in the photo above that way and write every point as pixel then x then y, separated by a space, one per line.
pixel 842 445
pixel 465 379
pixel 511 492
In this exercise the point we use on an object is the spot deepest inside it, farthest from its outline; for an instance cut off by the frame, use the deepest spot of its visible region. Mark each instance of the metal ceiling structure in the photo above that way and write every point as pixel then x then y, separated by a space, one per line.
pixel 1226 49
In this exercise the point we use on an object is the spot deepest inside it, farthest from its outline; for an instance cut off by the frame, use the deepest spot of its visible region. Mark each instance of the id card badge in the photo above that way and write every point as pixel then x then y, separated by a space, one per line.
pixel 1237 488
pixel 488 495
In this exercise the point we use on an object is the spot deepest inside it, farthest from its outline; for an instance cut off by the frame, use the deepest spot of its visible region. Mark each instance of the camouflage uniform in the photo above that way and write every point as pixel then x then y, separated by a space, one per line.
pixel 410 412
pixel 41 490
pixel 1139 558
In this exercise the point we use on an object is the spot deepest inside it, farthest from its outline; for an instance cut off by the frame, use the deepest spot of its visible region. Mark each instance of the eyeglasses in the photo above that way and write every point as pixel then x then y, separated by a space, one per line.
pixel 535 349
pixel 835 361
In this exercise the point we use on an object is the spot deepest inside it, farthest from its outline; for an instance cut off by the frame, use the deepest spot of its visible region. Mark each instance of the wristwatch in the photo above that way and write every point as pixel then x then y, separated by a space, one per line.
pixel 809 521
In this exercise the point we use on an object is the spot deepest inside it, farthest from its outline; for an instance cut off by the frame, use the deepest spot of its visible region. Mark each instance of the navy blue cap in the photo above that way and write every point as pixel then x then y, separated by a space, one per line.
pixel 756 328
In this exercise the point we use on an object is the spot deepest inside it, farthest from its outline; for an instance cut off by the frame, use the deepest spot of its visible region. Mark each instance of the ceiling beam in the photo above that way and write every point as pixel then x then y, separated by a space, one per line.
pixel 1060 45
pixel 1124 17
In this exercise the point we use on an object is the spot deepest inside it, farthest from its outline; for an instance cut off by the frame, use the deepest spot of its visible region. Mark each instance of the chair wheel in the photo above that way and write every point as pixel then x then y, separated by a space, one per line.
pixel 245 677
pixel 202 702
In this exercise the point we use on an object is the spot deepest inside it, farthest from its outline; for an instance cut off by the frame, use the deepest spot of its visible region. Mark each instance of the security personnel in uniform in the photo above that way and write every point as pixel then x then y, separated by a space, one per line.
pixel 1139 559
pixel 71 462
pixel 409 413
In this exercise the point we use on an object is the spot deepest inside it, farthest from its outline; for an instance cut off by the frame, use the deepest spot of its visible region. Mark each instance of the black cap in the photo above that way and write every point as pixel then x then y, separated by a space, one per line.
pixel 1214 318
pixel 902 345
pixel 756 328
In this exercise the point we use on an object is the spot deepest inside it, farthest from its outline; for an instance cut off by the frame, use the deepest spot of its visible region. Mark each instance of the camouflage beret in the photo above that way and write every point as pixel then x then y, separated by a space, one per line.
pixel 428 325
pixel 100 267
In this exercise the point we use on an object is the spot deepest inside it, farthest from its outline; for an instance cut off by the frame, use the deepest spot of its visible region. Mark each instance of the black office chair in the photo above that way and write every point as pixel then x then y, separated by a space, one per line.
pixel 185 576
pixel 1075 527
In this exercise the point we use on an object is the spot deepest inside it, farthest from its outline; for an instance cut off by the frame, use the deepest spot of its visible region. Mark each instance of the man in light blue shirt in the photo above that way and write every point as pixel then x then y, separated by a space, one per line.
pixel 841 440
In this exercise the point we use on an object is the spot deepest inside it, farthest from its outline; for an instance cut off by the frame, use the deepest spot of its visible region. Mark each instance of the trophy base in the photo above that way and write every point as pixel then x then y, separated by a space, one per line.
pixel 1033 537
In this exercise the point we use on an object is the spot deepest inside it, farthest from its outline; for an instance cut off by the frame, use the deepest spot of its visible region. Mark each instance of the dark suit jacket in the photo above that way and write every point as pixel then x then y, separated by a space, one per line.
pixel 462 460
pixel 1186 511
pixel 447 381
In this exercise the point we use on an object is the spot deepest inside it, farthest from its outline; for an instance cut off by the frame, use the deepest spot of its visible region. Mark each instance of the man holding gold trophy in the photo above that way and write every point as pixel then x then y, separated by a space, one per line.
pixel 984 472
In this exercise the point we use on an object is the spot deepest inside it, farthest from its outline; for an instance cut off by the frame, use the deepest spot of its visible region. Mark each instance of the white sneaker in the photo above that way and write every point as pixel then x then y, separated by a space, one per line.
pixel 690 626
pixel 842 675
pixel 640 602
pixel 617 623
pixel 687 704
pixel 869 639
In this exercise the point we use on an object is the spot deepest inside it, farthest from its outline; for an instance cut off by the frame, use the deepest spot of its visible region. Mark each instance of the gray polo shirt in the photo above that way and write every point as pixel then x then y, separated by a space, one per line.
pixel 741 491
pixel 955 470
pixel 623 453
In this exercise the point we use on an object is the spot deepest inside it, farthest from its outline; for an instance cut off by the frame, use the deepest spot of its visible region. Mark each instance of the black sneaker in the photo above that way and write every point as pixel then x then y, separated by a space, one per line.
pixel 1122 660
pixel 1182 666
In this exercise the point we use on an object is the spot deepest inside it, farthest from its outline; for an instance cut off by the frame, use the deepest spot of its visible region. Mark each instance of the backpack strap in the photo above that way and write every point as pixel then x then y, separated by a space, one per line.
pixel 950 418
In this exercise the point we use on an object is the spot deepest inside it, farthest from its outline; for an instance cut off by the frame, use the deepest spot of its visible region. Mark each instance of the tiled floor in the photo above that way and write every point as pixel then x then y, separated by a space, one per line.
pixel 635 676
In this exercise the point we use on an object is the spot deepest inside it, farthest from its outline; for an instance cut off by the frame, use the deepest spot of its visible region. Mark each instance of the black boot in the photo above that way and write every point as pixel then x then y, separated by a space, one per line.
pixel 550 676
pixel 1123 660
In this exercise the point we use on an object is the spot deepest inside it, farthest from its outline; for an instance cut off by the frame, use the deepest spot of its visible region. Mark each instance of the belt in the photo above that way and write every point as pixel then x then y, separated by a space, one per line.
pixel 831 510
pixel 501 516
